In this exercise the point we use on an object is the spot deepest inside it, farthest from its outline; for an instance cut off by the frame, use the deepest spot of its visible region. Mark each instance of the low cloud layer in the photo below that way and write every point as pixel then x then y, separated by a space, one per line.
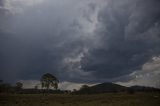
pixel 77 41
pixel 149 75
pixel 27 84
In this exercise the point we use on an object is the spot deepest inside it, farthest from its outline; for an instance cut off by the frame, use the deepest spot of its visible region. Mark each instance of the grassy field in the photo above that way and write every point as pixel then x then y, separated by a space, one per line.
pixel 119 99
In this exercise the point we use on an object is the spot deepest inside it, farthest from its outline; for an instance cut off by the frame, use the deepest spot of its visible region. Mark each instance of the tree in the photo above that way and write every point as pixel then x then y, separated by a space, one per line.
pixel 36 87
pixel 84 87
pixel 5 87
pixel 48 80
pixel 1 82
pixel 19 85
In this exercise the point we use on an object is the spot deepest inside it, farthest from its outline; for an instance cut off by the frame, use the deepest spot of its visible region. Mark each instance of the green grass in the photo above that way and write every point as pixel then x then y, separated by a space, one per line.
pixel 119 99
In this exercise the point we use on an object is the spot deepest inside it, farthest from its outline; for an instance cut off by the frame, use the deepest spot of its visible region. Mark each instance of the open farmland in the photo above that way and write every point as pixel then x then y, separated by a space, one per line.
pixel 109 99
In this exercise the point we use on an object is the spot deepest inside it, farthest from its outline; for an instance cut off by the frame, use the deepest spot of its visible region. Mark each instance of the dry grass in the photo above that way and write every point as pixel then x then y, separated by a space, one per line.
pixel 119 99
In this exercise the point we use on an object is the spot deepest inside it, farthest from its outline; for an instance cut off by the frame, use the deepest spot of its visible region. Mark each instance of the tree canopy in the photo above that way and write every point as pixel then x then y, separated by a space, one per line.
pixel 48 80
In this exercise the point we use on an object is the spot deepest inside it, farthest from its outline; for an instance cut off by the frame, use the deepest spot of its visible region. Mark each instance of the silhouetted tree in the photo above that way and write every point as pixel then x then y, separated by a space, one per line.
pixel 48 80
pixel 36 87
pixel 1 82
pixel 5 87
pixel 19 85
pixel 84 87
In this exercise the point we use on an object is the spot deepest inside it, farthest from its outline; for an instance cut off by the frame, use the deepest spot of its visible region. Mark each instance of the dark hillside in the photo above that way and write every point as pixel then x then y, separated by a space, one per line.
pixel 114 88
pixel 102 88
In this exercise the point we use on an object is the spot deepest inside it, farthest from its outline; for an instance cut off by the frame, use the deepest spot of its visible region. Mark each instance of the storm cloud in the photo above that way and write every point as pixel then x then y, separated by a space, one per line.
pixel 129 35
pixel 78 41
pixel 46 36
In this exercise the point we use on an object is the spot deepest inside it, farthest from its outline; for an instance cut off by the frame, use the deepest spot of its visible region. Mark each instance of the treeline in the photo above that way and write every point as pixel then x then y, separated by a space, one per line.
pixel 18 89
pixel 85 89
pixel 47 81
pixel 8 88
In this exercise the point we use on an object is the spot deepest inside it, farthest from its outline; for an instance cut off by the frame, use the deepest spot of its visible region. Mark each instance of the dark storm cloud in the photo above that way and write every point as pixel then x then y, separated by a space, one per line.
pixel 129 34
pixel 1 3
pixel 3 34
pixel 57 37
pixel 39 38
pixel 3 10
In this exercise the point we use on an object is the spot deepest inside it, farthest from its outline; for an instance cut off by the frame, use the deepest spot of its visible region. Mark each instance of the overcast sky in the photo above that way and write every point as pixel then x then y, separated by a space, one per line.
pixel 81 41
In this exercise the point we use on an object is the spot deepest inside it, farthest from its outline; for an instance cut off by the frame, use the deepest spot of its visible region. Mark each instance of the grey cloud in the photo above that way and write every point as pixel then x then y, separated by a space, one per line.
pixel 57 37
pixel 1 3
pixel 147 76
pixel 39 38
pixel 128 32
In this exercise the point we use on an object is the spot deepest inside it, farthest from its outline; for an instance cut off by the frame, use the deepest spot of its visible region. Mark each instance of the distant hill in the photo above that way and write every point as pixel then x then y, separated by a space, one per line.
pixel 113 88
pixel 102 88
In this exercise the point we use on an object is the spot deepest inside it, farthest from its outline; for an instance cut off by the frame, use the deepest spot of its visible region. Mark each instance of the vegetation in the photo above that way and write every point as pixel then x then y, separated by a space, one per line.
pixel 48 80
pixel 108 99
pixel 105 94
pixel 101 88
pixel 19 85
pixel 113 88
pixel 5 87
